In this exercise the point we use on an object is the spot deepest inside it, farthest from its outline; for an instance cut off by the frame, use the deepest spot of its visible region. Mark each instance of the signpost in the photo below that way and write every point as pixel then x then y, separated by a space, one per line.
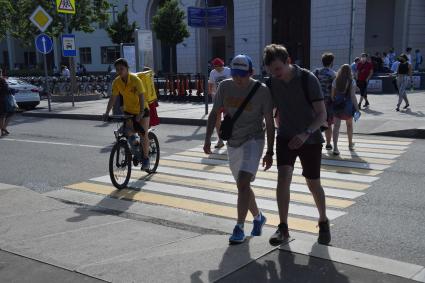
pixel 44 45
pixel 207 17
pixel 41 19
pixel 143 48
pixel 68 45
pixel 65 6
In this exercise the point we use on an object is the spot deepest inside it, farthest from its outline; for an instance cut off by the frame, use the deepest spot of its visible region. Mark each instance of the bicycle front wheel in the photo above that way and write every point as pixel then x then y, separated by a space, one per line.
pixel 154 153
pixel 120 165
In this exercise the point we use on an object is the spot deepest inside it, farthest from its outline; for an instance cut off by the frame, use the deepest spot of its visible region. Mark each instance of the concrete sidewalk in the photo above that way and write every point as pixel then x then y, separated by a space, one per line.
pixel 87 238
pixel 379 118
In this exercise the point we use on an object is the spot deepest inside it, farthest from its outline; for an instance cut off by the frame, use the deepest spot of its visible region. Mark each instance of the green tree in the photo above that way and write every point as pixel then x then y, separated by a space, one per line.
pixel 121 31
pixel 6 12
pixel 169 26
pixel 87 13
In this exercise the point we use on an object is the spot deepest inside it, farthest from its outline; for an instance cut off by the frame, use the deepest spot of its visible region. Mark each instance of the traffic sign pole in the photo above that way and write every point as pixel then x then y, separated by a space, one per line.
pixel 206 58
pixel 46 84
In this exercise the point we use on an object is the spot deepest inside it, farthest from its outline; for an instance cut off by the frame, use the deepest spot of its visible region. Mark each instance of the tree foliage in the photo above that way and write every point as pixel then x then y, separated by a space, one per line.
pixel 169 26
pixel 122 31
pixel 169 23
pixel 87 13
pixel 6 13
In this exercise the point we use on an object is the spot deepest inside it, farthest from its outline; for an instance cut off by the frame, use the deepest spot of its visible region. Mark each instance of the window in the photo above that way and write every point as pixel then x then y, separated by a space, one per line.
pixel 30 59
pixel 85 55
pixel 110 54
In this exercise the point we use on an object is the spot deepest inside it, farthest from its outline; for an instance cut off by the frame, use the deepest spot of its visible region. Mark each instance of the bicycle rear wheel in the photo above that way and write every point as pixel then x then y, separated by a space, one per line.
pixel 154 153
pixel 120 165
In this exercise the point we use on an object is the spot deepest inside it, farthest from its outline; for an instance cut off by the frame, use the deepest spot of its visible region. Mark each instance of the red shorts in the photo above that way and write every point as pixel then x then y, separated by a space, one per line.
pixel 310 156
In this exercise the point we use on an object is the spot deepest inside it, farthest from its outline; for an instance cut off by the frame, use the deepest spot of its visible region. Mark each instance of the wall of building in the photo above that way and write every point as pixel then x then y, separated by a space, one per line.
pixel 330 30
pixel 416 25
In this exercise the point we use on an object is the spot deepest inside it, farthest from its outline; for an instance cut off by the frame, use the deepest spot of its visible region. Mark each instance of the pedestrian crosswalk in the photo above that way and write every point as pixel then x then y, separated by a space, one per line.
pixel 193 181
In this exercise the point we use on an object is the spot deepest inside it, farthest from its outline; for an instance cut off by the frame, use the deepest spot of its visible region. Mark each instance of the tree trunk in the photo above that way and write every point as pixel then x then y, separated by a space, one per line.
pixel 171 60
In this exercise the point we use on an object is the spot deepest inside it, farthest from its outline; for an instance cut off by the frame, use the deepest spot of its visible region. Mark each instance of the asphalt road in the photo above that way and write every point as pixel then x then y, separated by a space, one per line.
pixel 387 221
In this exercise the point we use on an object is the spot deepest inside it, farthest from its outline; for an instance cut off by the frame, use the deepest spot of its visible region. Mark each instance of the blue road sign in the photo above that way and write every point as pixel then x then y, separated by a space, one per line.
pixel 213 17
pixel 43 43
pixel 68 45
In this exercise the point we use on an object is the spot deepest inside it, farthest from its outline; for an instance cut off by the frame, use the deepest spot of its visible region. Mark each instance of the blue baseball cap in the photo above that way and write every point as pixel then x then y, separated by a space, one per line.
pixel 241 66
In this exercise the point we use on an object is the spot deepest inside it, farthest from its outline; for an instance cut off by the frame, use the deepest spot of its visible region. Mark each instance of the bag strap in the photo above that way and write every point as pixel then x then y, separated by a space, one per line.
pixel 245 102
pixel 304 84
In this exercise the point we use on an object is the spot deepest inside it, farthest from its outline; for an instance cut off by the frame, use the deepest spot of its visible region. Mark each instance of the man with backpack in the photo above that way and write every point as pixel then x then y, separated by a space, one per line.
pixel 326 76
pixel 247 103
pixel 299 100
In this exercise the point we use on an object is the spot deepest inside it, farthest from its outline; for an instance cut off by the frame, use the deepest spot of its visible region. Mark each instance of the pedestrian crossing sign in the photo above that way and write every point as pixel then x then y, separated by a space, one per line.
pixel 65 6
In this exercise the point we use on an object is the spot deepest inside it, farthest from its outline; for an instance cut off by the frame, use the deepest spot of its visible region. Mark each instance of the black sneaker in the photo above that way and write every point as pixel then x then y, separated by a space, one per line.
pixel 329 147
pixel 324 233
pixel 366 104
pixel 397 109
pixel 407 106
pixel 281 235
pixel 360 106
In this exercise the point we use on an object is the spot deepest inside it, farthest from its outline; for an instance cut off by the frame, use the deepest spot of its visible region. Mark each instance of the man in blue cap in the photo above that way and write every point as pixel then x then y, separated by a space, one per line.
pixel 246 142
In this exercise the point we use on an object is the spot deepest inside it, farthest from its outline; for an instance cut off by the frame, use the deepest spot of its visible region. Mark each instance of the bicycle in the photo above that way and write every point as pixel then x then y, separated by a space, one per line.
pixel 122 157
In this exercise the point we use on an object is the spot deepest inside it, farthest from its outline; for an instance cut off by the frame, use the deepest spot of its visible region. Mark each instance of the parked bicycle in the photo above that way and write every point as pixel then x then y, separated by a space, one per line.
pixel 125 155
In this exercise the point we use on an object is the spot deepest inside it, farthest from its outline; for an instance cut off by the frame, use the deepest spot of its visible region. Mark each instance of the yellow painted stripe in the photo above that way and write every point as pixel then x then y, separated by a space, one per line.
pixel 264 175
pixel 188 204
pixel 227 187
pixel 326 168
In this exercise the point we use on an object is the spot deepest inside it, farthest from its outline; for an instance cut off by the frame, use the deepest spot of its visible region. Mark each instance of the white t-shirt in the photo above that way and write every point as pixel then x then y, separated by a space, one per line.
pixel 217 77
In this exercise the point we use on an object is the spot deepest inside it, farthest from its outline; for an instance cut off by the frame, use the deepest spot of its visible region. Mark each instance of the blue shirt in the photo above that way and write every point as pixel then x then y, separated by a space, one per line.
pixel 326 76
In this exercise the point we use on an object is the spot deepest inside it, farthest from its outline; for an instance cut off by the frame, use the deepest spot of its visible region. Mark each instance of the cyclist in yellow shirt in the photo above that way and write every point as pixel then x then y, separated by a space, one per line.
pixel 132 90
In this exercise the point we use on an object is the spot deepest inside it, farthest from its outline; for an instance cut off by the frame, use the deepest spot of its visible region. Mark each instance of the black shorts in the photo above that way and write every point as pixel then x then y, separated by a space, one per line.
pixel 310 156
pixel 136 125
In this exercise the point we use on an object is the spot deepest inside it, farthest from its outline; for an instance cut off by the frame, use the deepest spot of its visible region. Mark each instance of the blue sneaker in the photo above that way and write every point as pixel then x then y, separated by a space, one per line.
pixel 145 163
pixel 258 226
pixel 238 236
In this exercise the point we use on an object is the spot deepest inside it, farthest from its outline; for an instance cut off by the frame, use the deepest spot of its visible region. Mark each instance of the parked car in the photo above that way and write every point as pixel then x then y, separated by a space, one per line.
pixel 27 95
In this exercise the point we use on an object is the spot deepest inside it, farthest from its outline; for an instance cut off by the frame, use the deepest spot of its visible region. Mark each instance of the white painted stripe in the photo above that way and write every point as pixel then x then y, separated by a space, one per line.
pixel 356 153
pixel 295 209
pixel 333 162
pixel 53 143
pixel 347 194
pixel 297 171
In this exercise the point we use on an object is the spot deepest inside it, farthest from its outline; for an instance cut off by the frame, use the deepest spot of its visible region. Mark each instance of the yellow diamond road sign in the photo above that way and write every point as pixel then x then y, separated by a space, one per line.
pixel 41 19
pixel 65 6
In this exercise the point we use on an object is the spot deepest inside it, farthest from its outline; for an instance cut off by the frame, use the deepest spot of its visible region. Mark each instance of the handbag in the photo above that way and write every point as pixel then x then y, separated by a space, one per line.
pixel 11 105
pixel 343 105
pixel 226 127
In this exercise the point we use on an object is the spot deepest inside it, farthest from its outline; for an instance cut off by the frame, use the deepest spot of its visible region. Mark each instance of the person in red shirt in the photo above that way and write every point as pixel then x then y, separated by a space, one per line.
pixel 364 73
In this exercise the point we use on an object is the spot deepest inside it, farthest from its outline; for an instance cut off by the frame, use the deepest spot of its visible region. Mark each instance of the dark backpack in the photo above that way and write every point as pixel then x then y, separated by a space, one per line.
pixel 304 84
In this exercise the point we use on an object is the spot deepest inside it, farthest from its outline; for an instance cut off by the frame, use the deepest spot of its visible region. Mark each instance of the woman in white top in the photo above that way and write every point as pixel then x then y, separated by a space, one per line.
pixel 345 104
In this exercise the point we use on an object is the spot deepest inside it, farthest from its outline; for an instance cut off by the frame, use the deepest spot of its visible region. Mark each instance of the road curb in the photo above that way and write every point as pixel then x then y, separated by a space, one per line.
pixel 408 133
pixel 166 120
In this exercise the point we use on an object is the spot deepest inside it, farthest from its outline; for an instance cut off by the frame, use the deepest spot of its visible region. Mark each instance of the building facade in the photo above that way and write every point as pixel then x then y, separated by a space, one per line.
pixel 307 27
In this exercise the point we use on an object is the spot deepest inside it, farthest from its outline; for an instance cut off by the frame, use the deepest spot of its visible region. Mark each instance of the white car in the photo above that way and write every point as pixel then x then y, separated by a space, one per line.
pixel 27 95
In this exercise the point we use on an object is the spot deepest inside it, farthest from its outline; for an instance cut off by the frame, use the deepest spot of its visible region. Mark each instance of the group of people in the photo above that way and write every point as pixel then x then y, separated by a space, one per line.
pixel 384 62
pixel 249 107
pixel 401 72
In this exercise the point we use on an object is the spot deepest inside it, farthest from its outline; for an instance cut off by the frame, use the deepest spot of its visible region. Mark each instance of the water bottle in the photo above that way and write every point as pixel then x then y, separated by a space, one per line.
pixel 134 142
pixel 357 115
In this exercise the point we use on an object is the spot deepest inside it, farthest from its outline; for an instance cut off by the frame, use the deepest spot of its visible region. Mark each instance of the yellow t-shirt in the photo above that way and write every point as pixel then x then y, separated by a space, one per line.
pixel 130 92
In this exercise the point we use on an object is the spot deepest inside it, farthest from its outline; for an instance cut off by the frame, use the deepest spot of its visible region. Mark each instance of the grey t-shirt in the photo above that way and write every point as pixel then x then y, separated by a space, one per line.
pixel 296 114
pixel 250 123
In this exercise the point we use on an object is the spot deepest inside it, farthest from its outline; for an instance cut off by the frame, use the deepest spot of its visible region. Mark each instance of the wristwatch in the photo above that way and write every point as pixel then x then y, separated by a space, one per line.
pixel 309 131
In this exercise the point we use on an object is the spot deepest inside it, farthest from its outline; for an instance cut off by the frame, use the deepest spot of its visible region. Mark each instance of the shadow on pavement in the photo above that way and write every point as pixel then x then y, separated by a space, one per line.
pixel 285 266
pixel 85 212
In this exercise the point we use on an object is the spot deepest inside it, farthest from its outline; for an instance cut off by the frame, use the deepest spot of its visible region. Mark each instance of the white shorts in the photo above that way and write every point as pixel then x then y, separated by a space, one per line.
pixel 246 157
